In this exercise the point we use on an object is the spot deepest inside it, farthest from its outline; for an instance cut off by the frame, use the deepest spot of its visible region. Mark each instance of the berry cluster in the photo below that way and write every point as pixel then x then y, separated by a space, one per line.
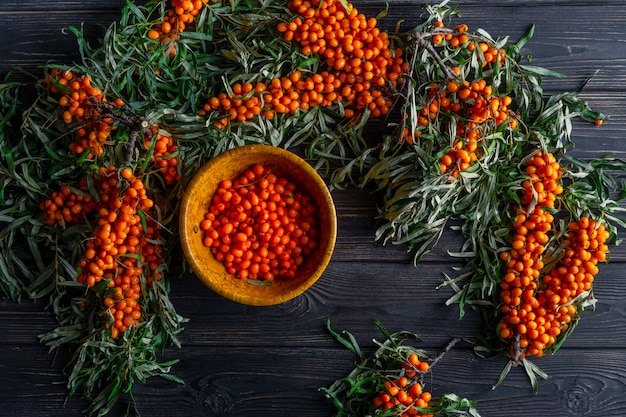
pixel 283 95
pixel 78 101
pixel 358 68
pixel 260 226
pixel 467 100
pixel 352 47
pixel 245 102
pixel 473 106
pixel 181 14
pixel 123 247
pixel 406 393
pixel 164 155
pixel 67 206
pixel 86 105
pixel 460 38
pixel 536 309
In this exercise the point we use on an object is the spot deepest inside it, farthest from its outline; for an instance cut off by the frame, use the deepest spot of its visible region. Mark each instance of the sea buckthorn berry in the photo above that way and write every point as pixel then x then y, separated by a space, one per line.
pixel 536 309
pixel 358 67
pixel 405 392
pixel 164 155
pixel 253 232
pixel 120 232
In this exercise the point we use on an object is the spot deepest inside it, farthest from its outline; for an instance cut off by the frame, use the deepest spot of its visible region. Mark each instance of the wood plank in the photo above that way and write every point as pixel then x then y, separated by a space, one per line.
pixel 87 6
pixel 244 361
pixel 588 41
pixel 38 38
pixel 238 381
pixel 352 295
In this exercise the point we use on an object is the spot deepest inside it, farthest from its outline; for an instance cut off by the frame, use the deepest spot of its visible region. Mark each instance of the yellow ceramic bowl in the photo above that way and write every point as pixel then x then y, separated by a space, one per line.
pixel 196 201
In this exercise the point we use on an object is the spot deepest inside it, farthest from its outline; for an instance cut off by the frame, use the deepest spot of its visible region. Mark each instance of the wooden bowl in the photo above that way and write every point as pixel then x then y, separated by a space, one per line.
pixel 196 201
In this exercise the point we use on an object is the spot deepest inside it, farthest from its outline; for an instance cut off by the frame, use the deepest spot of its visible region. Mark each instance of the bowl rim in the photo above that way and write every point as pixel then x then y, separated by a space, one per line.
pixel 185 225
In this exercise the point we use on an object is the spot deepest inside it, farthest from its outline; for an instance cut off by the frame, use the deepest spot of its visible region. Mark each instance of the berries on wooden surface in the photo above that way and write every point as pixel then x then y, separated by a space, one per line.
pixel 260 226
pixel 406 393
pixel 124 250
pixel 78 103
pixel 538 306
pixel 359 68
pixel 466 104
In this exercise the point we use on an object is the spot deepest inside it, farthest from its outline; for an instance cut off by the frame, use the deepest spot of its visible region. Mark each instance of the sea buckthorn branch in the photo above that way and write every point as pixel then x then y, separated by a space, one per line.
pixel 176 20
pixel 457 130
pixel 132 66
pixel 588 186
pixel 93 119
pixel 462 91
pixel 245 59
pixel 258 61
pixel 392 381
pixel 125 116
pixel 545 288
pixel 115 293
pixel 78 100
pixel 100 219
pixel 473 104
pixel 356 67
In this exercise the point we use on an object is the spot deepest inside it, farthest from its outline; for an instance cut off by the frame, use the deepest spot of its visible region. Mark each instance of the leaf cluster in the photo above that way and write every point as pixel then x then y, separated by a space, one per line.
pixel 352 395
pixel 418 203
pixel 237 41
pixel 231 42
pixel 39 260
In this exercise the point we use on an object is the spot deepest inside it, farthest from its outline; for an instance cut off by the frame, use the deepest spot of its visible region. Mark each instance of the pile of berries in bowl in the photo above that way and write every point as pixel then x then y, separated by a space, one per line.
pixel 258 225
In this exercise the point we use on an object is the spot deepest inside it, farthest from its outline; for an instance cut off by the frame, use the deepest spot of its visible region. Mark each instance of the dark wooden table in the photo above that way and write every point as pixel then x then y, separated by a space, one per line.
pixel 250 361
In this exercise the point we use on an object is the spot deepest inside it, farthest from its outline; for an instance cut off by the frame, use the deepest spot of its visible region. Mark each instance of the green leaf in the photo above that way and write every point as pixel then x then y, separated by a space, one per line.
pixel 542 71
pixel 349 341
pixel 503 374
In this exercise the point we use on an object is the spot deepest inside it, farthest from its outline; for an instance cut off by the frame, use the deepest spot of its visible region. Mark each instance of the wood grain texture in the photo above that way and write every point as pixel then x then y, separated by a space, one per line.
pixel 239 381
pixel 39 38
pixel 239 360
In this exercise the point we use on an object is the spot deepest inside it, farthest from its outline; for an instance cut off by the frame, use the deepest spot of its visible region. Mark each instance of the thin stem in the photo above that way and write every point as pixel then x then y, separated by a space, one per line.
pixel 445 350
pixel 423 42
